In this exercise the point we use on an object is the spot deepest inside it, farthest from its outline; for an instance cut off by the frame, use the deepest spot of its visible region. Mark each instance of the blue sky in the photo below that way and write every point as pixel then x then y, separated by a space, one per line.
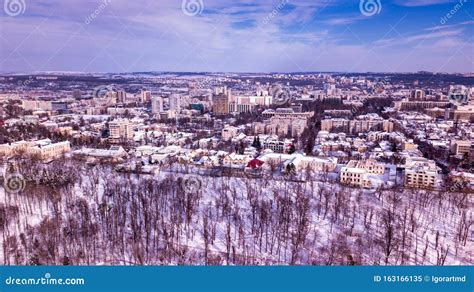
pixel 237 36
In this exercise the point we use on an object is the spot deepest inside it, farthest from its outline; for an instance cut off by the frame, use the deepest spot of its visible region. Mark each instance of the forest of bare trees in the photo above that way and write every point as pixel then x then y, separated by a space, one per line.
pixel 72 214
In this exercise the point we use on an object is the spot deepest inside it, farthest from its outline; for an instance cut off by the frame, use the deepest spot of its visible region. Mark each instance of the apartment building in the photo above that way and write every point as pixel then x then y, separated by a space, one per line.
pixel 369 165
pixel 421 173
pixel 357 172
pixel 419 105
pixel 276 145
pixel 281 127
pixel 156 104
pixel 48 150
pixel 43 149
pixel 302 163
pixel 120 130
pixel 287 113
pixel 283 122
pixel 418 94
pixel 462 113
pixel 32 105
pixel 220 104
pixel 356 126
pixel 299 162
pixel 460 147
pixel 245 104
pixel 354 177
pixel 229 132
pixel 145 96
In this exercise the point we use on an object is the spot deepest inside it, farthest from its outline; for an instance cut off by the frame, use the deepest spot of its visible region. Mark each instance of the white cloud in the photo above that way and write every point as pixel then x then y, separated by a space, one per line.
pixel 416 3
pixel 156 35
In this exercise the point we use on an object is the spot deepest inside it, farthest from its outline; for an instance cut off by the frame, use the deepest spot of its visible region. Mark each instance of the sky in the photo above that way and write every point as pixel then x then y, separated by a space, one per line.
pixel 237 35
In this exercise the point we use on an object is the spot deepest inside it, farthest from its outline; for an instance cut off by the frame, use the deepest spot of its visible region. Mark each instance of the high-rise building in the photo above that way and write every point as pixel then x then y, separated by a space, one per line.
pixel 330 89
pixel 223 90
pixel 156 104
pixel 76 94
pixel 220 104
pixel 120 130
pixel 145 96
pixel 121 96
pixel 418 94
pixel 174 102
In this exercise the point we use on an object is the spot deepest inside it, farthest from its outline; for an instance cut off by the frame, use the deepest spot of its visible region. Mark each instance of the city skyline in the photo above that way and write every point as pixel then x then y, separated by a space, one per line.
pixel 237 36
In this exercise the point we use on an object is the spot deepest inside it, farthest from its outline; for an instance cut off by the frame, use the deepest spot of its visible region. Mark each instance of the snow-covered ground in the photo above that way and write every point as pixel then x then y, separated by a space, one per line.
pixel 103 217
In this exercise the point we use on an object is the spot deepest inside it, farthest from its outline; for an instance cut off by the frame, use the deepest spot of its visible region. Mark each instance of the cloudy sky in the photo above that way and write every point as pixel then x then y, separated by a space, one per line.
pixel 237 35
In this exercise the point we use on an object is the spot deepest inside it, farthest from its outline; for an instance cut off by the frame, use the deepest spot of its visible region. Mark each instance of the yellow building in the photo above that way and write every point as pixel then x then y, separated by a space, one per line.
pixel 43 149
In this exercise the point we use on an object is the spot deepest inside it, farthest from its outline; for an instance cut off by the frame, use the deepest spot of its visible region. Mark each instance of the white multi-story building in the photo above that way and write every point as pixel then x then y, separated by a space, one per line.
pixel 421 173
pixel 120 130
pixel 156 104
pixel 145 96
pixel 358 172
pixel 298 162
pixel 276 145
pixel 461 147
pixel 174 102
pixel 354 177
pixel 228 133
pixel 241 104
pixel 32 105
pixel 121 96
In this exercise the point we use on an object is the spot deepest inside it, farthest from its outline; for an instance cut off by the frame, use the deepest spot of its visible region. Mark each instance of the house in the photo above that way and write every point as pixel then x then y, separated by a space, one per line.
pixel 255 163
pixel 236 160
pixel 229 132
